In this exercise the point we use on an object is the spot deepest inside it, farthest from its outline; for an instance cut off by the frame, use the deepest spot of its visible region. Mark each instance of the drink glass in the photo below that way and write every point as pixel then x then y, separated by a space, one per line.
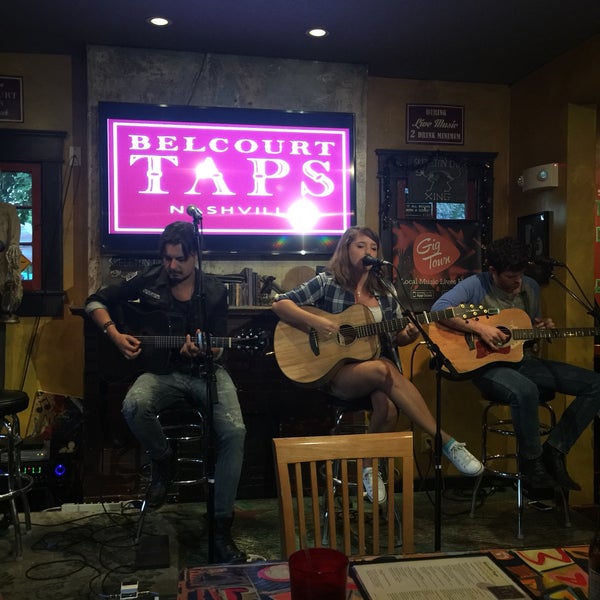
pixel 318 574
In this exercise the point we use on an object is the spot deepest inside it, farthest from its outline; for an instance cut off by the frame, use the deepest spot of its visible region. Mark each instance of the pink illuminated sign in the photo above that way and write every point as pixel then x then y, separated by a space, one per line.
pixel 246 179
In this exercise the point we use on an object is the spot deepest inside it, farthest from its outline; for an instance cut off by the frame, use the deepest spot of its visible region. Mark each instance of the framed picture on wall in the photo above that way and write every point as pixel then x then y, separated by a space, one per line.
pixel 534 231
pixel 11 98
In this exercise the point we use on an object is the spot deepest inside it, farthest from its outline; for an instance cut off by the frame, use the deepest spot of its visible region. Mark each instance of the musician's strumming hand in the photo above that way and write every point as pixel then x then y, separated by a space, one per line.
pixel 491 336
pixel 325 328
pixel 129 346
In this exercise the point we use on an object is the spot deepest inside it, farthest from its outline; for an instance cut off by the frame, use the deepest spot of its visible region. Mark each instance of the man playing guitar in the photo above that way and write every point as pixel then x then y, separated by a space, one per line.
pixel 518 385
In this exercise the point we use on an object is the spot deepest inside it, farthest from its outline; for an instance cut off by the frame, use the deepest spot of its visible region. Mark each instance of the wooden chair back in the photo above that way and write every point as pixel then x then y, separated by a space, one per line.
pixel 309 480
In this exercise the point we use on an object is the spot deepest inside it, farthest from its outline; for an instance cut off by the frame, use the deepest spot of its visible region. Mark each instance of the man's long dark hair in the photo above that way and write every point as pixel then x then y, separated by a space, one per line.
pixel 178 232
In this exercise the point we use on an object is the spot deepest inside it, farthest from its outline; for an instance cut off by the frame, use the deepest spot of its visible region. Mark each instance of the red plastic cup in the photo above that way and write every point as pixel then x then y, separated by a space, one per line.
pixel 318 574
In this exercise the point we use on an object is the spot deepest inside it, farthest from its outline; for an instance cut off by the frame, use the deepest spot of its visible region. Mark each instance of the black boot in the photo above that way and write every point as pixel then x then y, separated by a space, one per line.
pixel 555 465
pixel 162 475
pixel 535 474
pixel 225 549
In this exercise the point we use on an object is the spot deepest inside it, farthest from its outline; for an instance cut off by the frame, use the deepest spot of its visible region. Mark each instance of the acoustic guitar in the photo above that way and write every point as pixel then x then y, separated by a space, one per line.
pixel 159 334
pixel 468 353
pixel 311 359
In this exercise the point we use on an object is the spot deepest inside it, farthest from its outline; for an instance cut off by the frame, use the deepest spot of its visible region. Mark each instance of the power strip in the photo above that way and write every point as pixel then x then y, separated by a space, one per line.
pixel 92 507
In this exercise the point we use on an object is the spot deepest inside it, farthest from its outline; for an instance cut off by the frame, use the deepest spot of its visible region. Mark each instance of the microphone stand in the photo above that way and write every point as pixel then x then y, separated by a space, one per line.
pixel 591 308
pixel 211 391
pixel 438 362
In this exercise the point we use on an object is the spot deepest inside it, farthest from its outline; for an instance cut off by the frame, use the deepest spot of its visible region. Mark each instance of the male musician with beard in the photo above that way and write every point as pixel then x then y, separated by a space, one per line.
pixel 174 287
pixel 505 285
pixel 348 281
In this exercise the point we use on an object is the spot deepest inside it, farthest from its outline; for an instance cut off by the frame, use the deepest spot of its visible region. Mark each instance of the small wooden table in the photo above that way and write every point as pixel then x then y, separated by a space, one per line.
pixel 546 572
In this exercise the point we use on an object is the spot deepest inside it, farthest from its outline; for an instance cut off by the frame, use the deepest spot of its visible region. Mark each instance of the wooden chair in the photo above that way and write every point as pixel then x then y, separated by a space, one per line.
pixel 363 528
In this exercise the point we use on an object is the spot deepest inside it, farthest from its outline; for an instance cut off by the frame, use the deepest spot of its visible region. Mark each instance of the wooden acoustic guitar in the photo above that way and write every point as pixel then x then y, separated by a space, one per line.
pixel 159 334
pixel 312 359
pixel 468 353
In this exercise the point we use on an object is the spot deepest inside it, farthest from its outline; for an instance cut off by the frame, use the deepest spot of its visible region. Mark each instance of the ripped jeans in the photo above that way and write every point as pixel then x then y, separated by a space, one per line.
pixel 519 388
pixel 152 393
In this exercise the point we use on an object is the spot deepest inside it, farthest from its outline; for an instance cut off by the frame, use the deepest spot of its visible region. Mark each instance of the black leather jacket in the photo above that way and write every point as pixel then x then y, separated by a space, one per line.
pixel 152 290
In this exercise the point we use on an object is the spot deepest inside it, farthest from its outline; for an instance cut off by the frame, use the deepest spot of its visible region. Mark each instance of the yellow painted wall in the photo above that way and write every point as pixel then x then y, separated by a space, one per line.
pixel 47 354
pixel 554 119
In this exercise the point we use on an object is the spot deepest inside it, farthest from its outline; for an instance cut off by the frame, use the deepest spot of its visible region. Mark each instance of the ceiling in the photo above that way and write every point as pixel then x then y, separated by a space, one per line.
pixel 487 41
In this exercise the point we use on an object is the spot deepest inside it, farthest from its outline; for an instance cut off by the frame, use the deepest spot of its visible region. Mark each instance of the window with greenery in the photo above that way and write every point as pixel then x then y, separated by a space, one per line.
pixel 20 186
pixel 39 155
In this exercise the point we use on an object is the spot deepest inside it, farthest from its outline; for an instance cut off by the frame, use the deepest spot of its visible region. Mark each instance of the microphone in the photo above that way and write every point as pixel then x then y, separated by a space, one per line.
pixel 194 212
pixel 547 262
pixel 376 262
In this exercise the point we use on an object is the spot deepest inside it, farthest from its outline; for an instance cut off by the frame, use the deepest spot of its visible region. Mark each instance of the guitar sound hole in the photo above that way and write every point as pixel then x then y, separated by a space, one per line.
pixel 346 335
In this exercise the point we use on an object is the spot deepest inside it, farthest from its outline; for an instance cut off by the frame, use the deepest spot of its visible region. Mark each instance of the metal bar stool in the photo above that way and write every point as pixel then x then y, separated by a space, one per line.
pixel 493 424
pixel 17 483
pixel 185 430
pixel 349 418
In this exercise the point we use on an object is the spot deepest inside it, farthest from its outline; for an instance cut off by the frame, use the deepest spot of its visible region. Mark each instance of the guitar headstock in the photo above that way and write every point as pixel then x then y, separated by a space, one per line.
pixel 470 311
pixel 250 341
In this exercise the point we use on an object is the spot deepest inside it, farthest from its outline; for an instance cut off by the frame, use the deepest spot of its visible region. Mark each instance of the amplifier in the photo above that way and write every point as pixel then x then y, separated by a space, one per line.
pixel 35 454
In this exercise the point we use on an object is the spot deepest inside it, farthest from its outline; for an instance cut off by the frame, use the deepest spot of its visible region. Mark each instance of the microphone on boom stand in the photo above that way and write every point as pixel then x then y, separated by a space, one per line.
pixel 194 212
pixel 374 261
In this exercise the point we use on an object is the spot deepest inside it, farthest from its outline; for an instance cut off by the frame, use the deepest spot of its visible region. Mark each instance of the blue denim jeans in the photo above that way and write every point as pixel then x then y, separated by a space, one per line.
pixel 519 387
pixel 152 393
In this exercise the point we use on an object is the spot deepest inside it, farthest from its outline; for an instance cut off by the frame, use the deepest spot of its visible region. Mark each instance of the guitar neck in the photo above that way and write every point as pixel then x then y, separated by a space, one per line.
pixel 174 341
pixel 399 323
pixel 535 334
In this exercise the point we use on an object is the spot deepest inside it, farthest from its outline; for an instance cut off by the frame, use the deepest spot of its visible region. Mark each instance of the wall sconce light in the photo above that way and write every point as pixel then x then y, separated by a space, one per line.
pixel 540 177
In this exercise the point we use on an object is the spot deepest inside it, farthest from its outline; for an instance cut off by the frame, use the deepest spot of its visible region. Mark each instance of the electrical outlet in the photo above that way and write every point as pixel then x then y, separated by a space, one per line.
pixel 426 444
pixel 74 156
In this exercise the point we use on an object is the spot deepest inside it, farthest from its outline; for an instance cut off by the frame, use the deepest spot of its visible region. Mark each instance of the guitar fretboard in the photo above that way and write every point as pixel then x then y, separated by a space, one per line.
pixel 399 323
pixel 534 334
pixel 170 341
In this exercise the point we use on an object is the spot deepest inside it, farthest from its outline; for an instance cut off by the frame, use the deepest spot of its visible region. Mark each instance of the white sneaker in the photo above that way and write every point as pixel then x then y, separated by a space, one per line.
pixel 368 484
pixel 463 460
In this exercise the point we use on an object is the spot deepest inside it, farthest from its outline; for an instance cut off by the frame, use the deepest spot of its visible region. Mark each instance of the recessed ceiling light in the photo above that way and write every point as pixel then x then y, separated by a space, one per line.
pixel 158 21
pixel 317 32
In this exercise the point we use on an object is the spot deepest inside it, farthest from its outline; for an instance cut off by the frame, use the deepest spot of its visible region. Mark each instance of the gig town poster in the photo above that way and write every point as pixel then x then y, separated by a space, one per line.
pixel 432 256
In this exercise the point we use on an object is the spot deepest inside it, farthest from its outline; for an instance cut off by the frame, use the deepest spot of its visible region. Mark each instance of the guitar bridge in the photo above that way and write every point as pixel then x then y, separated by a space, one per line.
pixel 470 339
pixel 314 342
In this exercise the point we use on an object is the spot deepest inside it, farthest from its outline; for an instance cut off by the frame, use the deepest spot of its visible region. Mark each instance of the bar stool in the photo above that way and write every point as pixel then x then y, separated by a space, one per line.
pixel 491 423
pixel 185 429
pixel 17 483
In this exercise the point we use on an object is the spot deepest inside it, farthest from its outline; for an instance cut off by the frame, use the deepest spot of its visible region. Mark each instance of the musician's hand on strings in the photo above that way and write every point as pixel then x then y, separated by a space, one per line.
pixel 407 335
pixel 545 323
pixel 129 346
pixel 492 336
pixel 325 328
pixel 190 348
